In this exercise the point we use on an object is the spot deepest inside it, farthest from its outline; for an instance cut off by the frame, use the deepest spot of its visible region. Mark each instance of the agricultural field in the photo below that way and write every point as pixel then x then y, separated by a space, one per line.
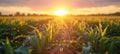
pixel 59 35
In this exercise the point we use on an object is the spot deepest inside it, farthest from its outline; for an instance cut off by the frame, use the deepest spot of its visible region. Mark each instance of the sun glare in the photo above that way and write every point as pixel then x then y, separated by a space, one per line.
pixel 60 12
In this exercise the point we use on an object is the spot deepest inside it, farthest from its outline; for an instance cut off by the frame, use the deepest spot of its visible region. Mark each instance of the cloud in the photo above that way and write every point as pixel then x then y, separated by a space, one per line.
pixel 36 4
pixel 92 10
pixel 92 3
pixel 45 6
pixel 51 3
pixel 107 0
pixel 13 9
pixel 96 10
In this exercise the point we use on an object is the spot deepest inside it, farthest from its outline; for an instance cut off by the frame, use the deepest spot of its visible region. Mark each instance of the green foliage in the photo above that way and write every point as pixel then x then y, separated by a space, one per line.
pixel 8 48
pixel 40 41
pixel 103 44
pixel 114 29
pixel 103 33
pixel 23 50
pixel 114 45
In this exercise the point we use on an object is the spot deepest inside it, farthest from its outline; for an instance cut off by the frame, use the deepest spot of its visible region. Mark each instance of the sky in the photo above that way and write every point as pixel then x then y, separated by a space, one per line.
pixel 49 6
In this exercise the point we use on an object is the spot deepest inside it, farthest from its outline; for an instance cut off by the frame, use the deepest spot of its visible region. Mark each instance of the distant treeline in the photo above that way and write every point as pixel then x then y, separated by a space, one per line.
pixel 23 14
pixel 110 14
pixel 34 14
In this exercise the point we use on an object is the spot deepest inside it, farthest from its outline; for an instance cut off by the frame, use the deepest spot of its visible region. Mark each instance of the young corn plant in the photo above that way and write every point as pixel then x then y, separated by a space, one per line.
pixel 114 45
pixel 38 41
pixel 103 39
pixel 49 31
pixel 94 39
pixel 7 47
pixel 97 38
pixel 82 31
pixel 41 41
pixel 82 36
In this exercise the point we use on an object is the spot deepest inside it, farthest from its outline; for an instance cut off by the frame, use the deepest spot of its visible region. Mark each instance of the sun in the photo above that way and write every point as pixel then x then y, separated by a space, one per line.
pixel 61 12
